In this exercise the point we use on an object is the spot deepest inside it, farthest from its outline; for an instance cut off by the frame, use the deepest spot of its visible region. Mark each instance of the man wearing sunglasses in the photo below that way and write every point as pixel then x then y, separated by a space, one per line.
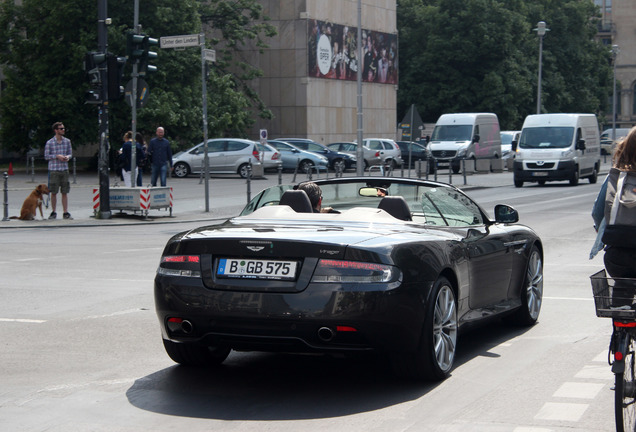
pixel 58 151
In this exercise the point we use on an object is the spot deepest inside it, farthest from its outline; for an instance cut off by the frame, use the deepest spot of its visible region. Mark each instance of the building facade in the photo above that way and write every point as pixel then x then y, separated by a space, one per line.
pixel 310 69
pixel 617 28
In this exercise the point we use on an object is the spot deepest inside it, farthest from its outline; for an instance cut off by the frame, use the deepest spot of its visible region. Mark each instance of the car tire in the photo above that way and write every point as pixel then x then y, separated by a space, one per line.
pixel 338 165
pixel 456 168
pixel 193 354
pixel 305 166
pixel 531 295
pixel 435 356
pixel 541 182
pixel 181 170
pixel 594 176
pixel 518 183
pixel 574 180
pixel 243 170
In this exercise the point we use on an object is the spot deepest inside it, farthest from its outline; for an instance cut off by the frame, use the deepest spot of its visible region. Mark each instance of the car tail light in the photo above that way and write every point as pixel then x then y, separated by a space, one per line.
pixel 276 156
pixel 180 265
pixel 377 154
pixel 256 154
pixel 339 271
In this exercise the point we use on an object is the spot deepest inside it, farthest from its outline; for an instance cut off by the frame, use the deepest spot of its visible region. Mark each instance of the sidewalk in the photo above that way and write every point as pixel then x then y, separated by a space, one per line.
pixel 188 197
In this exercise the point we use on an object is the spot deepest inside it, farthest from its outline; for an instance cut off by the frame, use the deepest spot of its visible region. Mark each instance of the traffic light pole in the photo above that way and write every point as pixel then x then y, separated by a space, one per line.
pixel 135 77
pixel 102 46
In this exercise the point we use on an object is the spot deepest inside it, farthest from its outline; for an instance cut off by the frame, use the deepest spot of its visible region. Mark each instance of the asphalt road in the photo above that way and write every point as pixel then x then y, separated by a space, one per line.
pixel 81 347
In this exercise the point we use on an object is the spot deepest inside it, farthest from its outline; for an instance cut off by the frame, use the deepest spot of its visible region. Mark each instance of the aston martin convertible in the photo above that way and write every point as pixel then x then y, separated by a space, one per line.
pixel 398 267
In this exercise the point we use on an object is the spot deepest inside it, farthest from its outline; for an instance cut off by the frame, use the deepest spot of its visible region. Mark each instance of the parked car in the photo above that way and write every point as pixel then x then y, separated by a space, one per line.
pixel 507 137
pixel 401 268
pixel 225 156
pixel 270 157
pixel 371 157
pixel 337 160
pixel 293 157
pixel 389 150
pixel 418 152
pixel 608 145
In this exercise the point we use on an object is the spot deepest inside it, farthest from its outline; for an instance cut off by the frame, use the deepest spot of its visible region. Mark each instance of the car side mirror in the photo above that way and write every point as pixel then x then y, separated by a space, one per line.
pixel 514 145
pixel 580 145
pixel 505 214
pixel 476 138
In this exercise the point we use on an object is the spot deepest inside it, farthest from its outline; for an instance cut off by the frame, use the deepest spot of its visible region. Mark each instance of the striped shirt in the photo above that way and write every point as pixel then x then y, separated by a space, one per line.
pixel 54 148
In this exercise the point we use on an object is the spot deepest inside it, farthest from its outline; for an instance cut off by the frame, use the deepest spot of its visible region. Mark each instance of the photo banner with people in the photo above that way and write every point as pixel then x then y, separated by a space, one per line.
pixel 332 53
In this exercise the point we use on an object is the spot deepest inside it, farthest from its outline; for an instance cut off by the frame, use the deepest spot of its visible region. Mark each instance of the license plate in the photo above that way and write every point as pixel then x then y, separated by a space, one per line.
pixel 257 269
pixel 540 174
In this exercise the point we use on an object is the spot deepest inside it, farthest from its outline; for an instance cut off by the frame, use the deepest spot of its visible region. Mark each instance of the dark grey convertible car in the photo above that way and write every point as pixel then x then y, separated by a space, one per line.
pixel 400 268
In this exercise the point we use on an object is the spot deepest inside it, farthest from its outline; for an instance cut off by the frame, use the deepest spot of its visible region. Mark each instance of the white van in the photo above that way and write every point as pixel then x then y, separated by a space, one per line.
pixel 465 136
pixel 557 147
pixel 607 143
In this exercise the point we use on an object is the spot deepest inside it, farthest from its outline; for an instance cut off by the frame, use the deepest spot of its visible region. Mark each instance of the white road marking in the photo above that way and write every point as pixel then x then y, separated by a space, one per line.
pixel 561 411
pixel 578 390
pixel 595 372
pixel 22 320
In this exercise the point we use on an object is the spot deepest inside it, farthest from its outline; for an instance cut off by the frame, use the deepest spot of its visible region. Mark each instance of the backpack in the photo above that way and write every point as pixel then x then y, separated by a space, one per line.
pixel 620 209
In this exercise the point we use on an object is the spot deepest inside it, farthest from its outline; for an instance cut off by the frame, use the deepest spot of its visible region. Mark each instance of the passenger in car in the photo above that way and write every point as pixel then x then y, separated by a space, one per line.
pixel 315 197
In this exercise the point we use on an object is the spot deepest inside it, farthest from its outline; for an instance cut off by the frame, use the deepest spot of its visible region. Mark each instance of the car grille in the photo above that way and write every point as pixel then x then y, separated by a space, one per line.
pixel 534 165
pixel 444 154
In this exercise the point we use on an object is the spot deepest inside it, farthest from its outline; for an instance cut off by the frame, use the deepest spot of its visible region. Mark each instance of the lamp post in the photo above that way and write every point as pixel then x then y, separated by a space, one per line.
pixel 541 29
pixel 615 51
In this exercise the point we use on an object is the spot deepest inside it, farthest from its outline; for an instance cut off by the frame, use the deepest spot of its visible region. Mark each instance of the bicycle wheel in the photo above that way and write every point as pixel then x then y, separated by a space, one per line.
pixel 625 394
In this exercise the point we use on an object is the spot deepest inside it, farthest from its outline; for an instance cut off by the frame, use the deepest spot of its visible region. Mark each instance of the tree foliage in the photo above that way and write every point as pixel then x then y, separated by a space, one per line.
pixel 482 55
pixel 42 49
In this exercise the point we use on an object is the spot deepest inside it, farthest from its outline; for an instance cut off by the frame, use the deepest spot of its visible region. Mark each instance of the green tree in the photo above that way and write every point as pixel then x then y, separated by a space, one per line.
pixel 482 55
pixel 42 49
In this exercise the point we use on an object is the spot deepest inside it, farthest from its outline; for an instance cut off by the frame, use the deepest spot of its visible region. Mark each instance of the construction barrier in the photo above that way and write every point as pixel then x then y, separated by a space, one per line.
pixel 136 199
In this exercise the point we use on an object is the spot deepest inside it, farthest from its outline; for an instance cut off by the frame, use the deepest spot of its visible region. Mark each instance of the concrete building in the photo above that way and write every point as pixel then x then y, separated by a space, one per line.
pixel 617 28
pixel 310 69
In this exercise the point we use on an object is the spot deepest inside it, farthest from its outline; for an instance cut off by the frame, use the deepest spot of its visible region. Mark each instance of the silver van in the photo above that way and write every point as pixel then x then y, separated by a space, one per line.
pixel 465 136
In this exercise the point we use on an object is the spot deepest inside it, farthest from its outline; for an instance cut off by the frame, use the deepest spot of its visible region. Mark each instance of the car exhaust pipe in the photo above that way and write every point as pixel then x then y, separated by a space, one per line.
pixel 186 327
pixel 325 334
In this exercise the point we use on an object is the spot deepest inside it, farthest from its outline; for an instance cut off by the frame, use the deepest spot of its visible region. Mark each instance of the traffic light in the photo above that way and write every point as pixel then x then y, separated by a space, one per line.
pixel 134 46
pixel 148 55
pixel 93 61
pixel 115 74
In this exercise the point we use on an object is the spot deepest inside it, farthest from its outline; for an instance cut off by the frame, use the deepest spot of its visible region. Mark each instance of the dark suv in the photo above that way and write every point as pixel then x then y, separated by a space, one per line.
pixel 337 160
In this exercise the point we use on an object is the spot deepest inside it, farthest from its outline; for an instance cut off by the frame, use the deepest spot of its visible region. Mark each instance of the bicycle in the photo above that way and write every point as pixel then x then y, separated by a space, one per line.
pixel 613 298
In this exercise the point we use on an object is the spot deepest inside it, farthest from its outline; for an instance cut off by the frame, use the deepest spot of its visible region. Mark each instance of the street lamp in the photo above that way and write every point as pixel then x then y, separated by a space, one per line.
pixel 615 51
pixel 541 29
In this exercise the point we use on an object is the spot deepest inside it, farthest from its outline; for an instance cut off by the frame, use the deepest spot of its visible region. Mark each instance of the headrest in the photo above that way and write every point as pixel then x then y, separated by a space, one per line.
pixel 397 207
pixel 297 200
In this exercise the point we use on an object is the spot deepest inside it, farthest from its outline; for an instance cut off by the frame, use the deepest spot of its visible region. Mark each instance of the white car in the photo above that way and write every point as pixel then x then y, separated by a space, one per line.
pixel 225 156
pixel 389 150
pixel 270 157
pixel 507 137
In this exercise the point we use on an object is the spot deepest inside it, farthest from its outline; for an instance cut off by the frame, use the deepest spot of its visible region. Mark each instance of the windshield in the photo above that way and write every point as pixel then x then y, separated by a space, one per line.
pixel 506 137
pixel 546 137
pixel 452 133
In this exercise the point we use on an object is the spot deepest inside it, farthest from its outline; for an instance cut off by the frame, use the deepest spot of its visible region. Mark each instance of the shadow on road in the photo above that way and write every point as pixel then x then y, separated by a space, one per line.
pixel 264 386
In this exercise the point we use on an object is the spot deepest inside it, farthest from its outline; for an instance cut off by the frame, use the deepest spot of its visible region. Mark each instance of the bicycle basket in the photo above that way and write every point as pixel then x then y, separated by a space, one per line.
pixel 613 297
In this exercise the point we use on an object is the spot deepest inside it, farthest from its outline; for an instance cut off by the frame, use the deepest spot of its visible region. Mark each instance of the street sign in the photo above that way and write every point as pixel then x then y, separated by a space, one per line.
pixel 209 55
pixel 179 41
pixel 142 91
pixel 263 136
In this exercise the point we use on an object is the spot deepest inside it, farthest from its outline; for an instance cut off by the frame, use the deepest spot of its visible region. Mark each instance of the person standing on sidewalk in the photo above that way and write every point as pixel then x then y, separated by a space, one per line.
pixel 160 155
pixel 58 151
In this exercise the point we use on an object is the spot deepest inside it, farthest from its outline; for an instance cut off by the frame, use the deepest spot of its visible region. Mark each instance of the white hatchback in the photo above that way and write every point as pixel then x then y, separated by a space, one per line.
pixel 225 156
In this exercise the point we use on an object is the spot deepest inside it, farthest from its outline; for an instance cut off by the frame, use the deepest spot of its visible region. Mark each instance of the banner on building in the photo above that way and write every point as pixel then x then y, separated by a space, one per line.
pixel 332 53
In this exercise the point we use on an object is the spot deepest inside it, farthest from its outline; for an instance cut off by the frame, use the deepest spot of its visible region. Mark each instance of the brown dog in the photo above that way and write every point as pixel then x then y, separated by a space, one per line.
pixel 33 202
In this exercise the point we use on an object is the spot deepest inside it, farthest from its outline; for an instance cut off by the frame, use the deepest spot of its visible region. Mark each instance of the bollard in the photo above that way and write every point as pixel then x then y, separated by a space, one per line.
pixel 74 170
pixel 32 169
pixel 280 174
pixel 6 197
pixel 249 182
pixel 464 170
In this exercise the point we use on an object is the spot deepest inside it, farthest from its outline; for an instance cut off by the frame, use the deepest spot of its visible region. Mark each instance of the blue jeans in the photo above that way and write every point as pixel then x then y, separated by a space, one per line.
pixel 161 170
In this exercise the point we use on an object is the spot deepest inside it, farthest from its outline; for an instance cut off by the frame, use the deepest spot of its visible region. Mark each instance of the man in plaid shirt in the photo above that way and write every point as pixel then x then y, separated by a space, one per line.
pixel 58 151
